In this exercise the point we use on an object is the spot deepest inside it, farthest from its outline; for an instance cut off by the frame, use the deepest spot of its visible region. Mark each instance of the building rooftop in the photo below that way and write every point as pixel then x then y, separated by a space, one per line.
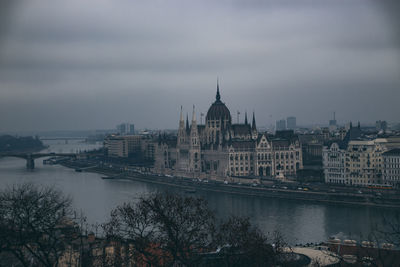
pixel 392 152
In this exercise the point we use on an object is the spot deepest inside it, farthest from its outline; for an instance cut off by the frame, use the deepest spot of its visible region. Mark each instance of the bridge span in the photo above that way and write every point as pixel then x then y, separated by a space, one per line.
pixel 43 138
pixel 30 157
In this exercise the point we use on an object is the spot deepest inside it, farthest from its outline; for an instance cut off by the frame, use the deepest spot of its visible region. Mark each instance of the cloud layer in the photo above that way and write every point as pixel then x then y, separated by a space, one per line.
pixel 92 64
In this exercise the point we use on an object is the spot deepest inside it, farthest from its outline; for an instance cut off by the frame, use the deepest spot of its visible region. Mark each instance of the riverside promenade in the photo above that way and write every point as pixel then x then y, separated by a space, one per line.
pixel 281 191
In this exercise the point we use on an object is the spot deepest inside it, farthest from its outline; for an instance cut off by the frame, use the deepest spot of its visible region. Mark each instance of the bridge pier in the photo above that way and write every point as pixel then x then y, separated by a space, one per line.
pixel 30 163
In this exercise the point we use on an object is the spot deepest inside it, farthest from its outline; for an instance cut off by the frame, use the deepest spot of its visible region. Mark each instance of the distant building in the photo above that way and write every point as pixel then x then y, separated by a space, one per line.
pixel 291 123
pixel 358 161
pixel 116 146
pixel 332 123
pixel 334 164
pixel 280 125
pixel 391 167
pixel 123 146
pixel 221 150
pixel 381 125
pixel 364 162
pixel 126 129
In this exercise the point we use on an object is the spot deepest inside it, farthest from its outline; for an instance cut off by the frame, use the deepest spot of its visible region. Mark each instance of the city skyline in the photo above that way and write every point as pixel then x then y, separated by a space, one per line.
pixel 74 65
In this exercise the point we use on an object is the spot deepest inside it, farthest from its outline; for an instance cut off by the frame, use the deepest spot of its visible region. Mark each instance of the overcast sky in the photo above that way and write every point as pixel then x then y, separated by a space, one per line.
pixel 91 64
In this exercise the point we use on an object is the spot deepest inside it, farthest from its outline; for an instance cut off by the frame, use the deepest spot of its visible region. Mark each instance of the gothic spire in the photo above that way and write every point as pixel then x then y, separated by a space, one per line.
pixel 253 125
pixel 187 123
pixel 181 117
pixel 245 118
pixel 218 96
pixel 193 115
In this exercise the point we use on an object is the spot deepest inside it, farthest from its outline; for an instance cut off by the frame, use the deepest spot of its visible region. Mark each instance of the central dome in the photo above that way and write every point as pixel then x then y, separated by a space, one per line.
pixel 218 110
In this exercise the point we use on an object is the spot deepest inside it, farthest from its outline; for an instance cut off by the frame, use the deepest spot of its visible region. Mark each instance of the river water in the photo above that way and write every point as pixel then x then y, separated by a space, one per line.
pixel 299 222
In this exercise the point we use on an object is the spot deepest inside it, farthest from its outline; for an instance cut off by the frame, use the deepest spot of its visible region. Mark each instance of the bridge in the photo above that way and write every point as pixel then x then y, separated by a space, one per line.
pixel 30 157
pixel 62 138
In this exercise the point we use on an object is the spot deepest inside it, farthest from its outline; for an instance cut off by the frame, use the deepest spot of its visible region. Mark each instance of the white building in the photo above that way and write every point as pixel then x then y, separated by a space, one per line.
pixel 334 164
pixel 391 167
pixel 360 162
pixel 122 146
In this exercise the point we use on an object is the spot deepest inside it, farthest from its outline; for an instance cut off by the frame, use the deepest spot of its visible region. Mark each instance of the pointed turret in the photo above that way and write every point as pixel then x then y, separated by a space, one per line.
pixel 193 115
pixel 254 132
pixel 253 124
pixel 181 116
pixel 181 130
pixel 194 145
pixel 187 123
pixel 193 129
pixel 218 96
pixel 245 118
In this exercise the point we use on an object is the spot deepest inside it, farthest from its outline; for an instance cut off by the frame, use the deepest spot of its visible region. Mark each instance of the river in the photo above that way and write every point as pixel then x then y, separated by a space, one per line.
pixel 299 222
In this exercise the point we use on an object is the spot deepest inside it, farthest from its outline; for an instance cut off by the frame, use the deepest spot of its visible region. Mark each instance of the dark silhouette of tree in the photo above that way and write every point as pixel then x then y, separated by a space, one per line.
pixel 241 244
pixel 34 228
pixel 174 230
pixel 164 229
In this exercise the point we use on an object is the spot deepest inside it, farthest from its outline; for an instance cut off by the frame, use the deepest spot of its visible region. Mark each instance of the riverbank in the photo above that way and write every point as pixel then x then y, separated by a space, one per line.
pixel 14 144
pixel 191 185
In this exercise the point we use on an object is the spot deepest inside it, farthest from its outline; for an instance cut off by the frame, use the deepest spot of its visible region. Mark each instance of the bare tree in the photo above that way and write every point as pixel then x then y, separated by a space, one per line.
pixel 242 244
pixel 174 230
pixel 34 228
pixel 165 229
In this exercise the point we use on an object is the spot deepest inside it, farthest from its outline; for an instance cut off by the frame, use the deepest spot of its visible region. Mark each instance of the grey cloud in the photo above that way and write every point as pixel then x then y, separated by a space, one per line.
pixel 91 64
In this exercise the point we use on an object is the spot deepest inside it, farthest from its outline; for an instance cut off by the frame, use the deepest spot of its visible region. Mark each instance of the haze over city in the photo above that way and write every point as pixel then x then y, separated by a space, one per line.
pixel 92 64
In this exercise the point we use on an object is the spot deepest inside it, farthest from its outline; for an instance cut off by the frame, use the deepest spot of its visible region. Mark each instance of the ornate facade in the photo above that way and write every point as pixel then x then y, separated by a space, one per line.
pixel 220 149
pixel 357 160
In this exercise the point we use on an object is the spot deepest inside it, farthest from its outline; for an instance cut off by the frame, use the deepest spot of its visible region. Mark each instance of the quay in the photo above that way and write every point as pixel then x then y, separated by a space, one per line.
pixel 252 190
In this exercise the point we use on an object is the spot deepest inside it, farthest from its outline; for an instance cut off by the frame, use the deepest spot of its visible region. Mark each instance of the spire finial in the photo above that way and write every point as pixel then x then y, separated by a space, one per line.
pixel 187 122
pixel 253 126
pixel 181 117
pixel 218 97
pixel 193 115
pixel 245 117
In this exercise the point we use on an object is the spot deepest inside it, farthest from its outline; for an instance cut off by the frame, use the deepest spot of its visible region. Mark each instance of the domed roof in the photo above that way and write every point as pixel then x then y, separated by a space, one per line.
pixel 218 110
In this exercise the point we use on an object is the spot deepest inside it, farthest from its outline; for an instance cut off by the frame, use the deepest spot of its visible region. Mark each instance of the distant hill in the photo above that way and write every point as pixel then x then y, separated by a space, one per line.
pixel 9 143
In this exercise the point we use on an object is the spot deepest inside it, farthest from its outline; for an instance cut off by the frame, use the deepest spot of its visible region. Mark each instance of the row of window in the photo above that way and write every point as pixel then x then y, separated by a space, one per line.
pixel 392 178
pixel 396 171
pixel 392 160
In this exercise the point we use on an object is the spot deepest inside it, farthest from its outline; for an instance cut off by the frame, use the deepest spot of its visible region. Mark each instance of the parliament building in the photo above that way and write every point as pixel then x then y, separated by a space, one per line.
pixel 221 150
